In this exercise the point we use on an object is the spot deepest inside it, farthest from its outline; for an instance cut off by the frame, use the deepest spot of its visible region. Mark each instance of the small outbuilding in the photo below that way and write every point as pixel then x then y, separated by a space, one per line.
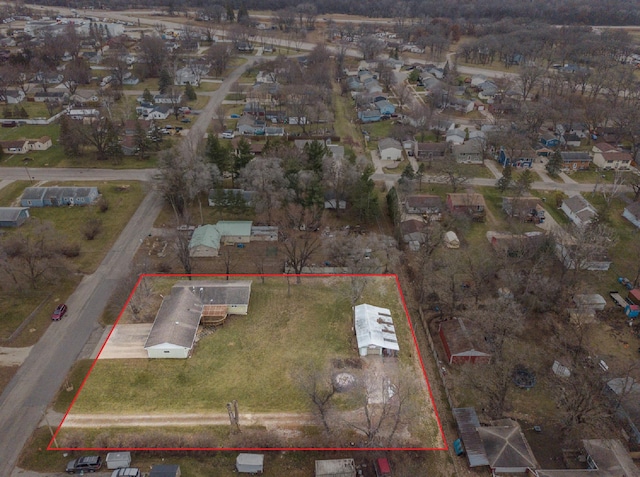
pixel 13 216
pixel 457 343
pixel 375 332
pixel 250 463
pixel 165 470
pixel 335 468
pixel 507 448
pixel 589 301
pixel 118 460
pixel 451 240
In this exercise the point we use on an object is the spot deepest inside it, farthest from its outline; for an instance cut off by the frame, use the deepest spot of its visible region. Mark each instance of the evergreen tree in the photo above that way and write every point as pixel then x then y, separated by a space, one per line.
pixel 147 97
pixel 190 93
pixel 218 154
pixel 414 76
pixel 243 14
pixel 408 174
pixel 315 151
pixel 143 142
pixel 230 14
pixel 365 199
pixel 422 168
pixel 524 182
pixel 69 139
pixel 554 165
pixel 507 176
pixel 242 157
pixel 165 81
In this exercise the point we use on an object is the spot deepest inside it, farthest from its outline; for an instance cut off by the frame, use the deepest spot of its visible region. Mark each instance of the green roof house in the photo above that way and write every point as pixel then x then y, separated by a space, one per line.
pixel 206 239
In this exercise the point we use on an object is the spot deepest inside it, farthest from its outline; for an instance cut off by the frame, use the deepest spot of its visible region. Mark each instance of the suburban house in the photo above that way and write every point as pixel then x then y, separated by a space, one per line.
pixel 506 448
pixel 54 96
pixel 632 213
pixel 458 345
pixel 375 332
pixel 521 158
pixel 527 208
pixel 230 198
pixel 550 140
pixel 575 161
pixel 160 112
pixel 428 151
pixel 455 136
pixel 190 303
pixel 167 98
pixel 424 204
pixel 385 107
pixel 19 146
pixel 469 152
pixel 251 126
pixel 58 196
pixel 390 149
pixel 40 144
pixel 13 216
pixel 578 209
pixel 12 96
pixel 206 239
pixel 472 204
pixel 369 115
pixel 607 156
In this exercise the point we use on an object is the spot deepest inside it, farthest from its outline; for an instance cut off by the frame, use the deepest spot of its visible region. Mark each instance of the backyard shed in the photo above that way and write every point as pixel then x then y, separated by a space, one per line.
pixel 457 344
pixel 13 216
pixel 206 239
pixel 451 240
pixel 383 469
pixel 250 463
pixel 375 332
pixel 335 468
pixel 165 470
pixel 117 460
pixel 591 301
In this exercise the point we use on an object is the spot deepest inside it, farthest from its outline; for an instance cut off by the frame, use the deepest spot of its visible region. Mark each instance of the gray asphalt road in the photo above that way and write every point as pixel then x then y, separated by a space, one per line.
pixel 25 399
pixel 27 396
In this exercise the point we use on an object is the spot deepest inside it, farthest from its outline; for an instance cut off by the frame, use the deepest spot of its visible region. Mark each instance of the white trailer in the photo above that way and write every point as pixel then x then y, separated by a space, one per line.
pixel 250 463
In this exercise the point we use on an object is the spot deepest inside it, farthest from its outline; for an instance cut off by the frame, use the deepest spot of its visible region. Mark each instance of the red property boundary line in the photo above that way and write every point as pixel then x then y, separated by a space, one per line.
pixel 271 275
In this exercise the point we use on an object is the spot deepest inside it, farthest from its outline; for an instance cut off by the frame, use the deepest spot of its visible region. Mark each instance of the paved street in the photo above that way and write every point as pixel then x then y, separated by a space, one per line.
pixel 26 398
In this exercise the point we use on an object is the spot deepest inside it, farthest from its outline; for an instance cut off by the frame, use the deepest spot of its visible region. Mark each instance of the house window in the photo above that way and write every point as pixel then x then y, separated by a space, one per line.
pixel 166 352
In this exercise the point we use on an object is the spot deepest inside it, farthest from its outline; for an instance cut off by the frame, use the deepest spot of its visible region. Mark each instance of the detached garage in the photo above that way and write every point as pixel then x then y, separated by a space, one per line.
pixel 457 343
pixel 375 332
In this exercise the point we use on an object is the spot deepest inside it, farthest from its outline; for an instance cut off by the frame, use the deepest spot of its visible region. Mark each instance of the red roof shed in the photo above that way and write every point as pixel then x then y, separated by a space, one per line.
pixel 458 345
pixel 634 296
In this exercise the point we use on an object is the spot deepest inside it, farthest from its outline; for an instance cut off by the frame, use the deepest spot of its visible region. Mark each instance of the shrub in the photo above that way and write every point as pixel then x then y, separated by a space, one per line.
pixel 91 228
pixel 70 250
pixel 103 204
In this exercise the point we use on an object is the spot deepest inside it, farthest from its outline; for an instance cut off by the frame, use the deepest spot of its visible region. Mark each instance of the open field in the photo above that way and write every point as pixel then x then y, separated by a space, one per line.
pixel 257 360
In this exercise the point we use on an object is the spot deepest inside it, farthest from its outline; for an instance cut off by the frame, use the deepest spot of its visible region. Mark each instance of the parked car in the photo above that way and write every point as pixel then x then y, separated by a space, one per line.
pixel 185 120
pixel 59 312
pixel 89 463
pixel 229 134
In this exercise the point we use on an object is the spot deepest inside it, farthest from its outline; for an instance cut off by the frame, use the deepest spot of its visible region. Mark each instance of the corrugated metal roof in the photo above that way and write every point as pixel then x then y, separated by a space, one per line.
pixel 467 421
pixel 10 214
pixel 374 327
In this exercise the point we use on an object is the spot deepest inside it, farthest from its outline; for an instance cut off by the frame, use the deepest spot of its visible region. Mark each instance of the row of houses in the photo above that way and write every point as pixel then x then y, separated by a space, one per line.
pixel 23 146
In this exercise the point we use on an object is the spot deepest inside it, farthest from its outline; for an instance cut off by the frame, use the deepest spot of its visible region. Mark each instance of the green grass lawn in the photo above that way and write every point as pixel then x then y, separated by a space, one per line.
pixel 18 304
pixel 249 359
pixel 34 109
pixel 378 130
pixel 345 121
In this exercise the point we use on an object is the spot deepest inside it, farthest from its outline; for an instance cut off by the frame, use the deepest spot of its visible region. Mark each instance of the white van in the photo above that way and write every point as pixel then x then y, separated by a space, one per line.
pixel 127 472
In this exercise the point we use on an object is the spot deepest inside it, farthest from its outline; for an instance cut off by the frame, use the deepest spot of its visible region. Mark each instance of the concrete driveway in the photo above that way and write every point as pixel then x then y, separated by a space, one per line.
pixel 127 341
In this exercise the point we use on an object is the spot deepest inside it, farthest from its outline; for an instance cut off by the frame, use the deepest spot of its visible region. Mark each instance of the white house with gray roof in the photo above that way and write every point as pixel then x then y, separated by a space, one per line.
pixel 174 330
